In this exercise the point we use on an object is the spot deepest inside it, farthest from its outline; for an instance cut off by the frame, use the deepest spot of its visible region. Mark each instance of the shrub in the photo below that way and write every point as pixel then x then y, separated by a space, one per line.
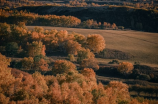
pixel 114 62
pixel 11 48
pixel 125 68
pixel 89 63
pixel 71 57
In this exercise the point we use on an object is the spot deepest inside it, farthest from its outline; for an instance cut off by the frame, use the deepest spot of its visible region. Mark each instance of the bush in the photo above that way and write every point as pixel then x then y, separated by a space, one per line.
pixel 63 66
pixel 114 62
pixel 125 68
pixel 11 48
pixel 71 57
pixel 144 77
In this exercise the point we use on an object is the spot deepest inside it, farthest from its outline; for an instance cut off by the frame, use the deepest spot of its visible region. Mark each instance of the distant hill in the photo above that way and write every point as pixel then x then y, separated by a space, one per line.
pixel 137 19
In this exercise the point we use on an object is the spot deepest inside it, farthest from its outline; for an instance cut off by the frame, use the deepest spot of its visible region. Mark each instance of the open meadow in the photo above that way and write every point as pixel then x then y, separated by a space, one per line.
pixel 143 46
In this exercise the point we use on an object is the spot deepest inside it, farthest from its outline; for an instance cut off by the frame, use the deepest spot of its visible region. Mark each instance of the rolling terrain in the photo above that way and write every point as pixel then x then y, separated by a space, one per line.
pixel 143 46
pixel 136 19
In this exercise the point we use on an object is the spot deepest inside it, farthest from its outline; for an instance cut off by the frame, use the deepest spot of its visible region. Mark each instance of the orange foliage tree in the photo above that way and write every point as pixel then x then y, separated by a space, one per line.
pixel 63 66
pixel 125 68
pixel 36 48
pixel 27 63
pixel 95 42
pixel 71 47
pixel 89 63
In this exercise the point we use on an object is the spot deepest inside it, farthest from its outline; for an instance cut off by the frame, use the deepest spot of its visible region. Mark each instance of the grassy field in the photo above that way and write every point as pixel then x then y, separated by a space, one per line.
pixel 142 45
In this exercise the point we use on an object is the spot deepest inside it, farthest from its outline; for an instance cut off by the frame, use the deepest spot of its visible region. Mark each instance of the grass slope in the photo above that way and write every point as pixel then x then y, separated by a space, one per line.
pixel 142 45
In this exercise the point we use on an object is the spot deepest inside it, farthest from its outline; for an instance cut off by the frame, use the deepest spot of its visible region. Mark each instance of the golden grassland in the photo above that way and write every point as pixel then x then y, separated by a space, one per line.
pixel 142 45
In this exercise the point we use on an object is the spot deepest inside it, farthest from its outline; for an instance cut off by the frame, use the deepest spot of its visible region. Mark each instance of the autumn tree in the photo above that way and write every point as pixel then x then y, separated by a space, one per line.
pixel 37 36
pixel 6 78
pixel 71 47
pixel 36 48
pixel 95 42
pixel 79 38
pixel 89 73
pixel 63 66
pixel 27 63
pixel 11 48
pixel 84 54
pixel 18 33
pixel 89 63
pixel 4 99
pixel 41 65
pixel 120 90
pixel 71 57
pixel 39 29
pixel 125 68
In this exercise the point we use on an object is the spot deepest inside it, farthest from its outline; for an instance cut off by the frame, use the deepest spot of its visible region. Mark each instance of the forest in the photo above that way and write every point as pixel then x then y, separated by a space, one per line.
pixel 36 78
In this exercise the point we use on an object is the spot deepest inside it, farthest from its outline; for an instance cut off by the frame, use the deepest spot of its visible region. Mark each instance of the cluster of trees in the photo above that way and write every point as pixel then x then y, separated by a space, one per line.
pixel 68 86
pixel 9 4
pixel 17 41
pixel 14 17
pixel 90 23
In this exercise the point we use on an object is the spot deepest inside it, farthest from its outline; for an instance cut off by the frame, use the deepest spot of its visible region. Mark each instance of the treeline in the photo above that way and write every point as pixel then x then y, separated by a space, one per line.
pixel 132 18
pixel 14 17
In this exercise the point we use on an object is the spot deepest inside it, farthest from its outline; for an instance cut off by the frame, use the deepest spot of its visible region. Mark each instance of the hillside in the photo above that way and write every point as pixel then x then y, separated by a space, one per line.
pixel 142 45
pixel 137 19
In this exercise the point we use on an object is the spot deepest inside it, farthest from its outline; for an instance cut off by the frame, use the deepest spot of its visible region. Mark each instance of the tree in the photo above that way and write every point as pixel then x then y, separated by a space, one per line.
pixel 27 63
pixel 95 42
pixel 41 65
pixel 125 68
pixel 89 73
pixel 36 48
pixel 89 63
pixel 79 38
pixel 71 57
pixel 4 33
pixel 71 47
pixel 6 78
pixel 11 48
pixel 84 54
pixel 37 36
pixel 63 66
pixel 39 29
pixel 120 90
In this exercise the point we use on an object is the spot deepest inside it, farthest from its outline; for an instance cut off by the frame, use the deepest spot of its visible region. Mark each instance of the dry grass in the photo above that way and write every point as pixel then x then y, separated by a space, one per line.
pixel 142 45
